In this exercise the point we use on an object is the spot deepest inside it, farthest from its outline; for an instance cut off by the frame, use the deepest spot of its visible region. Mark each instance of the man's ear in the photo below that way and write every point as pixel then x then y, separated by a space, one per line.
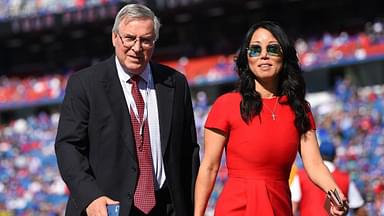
pixel 114 36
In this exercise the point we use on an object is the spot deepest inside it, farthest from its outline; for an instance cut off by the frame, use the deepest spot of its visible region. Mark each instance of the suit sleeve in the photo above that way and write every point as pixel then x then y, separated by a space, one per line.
pixel 190 134
pixel 72 146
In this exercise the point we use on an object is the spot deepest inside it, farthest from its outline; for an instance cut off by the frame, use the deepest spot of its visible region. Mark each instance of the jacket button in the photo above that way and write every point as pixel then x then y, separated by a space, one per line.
pixel 133 169
pixel 129 196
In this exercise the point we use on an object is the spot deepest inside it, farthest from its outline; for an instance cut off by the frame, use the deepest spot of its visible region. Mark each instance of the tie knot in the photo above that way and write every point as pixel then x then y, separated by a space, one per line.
pixel 134 79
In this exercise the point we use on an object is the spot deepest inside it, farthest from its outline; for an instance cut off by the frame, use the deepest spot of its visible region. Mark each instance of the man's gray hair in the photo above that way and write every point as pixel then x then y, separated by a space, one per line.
pixel 136 11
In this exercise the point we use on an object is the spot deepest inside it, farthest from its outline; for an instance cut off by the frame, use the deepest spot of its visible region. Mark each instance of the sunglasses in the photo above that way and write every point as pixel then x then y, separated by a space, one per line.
pixel 272 50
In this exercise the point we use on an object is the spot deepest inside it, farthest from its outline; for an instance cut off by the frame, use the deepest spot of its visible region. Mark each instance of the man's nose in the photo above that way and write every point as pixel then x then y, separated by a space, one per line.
pixel 136 45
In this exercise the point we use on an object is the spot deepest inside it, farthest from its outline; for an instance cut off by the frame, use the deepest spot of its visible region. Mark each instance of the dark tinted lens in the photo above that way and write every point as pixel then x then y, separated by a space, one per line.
pixel 254 51
pixel 274 50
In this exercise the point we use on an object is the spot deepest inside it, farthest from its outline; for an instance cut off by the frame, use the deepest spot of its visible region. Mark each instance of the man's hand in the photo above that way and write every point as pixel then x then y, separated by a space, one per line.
pixel 98 207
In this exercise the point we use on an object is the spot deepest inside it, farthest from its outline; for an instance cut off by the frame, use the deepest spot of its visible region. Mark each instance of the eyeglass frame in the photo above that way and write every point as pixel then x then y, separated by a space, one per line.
pixel 137 38
pixel 268 48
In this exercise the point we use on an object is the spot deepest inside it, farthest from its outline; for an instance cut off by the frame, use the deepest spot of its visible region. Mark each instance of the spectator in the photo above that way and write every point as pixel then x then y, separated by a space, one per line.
pixel 308 199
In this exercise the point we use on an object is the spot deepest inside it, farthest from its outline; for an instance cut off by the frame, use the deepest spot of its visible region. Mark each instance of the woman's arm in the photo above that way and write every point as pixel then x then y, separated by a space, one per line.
pixel 315 168
pixel 214 142
pixel 313 163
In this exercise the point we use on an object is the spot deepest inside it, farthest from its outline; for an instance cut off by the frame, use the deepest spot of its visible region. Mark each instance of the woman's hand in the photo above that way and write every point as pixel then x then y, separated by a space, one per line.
pixel 338 203
pixel 339 210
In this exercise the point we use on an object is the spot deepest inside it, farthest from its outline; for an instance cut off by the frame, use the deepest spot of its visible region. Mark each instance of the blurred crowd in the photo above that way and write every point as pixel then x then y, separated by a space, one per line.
pixel 23 8
pixel 313 53
pixel 27 91
pixel 30 182
pixel 342 48
pixel 353 120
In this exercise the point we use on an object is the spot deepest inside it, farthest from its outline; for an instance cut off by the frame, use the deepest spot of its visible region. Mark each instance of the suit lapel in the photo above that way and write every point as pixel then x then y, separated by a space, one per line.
pixel 164 85
pixel 118 104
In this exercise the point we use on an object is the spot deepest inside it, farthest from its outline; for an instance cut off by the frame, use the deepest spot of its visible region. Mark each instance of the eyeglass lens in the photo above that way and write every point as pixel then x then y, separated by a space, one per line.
pixel 272 50
pixel 131 40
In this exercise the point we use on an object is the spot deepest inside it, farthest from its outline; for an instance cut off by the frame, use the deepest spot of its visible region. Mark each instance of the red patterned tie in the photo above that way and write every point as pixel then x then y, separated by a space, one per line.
pixel 144 198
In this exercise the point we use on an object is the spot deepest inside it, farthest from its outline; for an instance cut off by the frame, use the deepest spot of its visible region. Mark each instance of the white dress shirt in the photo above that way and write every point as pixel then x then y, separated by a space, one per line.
pixel 147 90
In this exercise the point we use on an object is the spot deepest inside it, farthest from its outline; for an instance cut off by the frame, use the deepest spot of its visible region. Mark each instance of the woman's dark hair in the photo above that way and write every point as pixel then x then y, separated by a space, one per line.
pixel 290 80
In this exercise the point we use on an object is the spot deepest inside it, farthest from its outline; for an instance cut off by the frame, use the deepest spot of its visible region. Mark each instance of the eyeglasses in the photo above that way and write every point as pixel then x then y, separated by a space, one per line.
pixel 272 50
pixel 130 41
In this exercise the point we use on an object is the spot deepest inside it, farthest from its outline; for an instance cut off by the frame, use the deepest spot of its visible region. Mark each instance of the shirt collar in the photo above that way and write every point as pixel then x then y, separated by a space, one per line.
pixel 126 75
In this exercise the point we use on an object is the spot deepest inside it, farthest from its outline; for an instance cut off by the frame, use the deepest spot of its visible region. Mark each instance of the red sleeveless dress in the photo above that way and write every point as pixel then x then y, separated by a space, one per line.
pixel 259 157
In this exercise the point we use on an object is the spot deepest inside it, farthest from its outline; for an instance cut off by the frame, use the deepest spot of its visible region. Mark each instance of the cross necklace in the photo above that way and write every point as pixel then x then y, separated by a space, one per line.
pixel 272 110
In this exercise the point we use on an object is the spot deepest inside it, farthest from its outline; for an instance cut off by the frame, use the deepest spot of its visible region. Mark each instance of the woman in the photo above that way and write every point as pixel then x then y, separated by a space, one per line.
pixel 262 126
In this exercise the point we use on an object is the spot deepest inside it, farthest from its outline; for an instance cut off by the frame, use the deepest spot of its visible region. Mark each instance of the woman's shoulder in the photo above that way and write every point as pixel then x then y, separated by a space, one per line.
pixel 230 96
pixel 224 108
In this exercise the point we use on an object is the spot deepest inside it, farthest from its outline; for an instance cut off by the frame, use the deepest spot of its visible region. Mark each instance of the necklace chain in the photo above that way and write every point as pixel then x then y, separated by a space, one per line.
pixel 272 110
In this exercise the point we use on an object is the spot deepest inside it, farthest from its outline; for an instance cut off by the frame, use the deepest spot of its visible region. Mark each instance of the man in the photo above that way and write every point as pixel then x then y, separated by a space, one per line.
pixel 308 199
pixel 126 133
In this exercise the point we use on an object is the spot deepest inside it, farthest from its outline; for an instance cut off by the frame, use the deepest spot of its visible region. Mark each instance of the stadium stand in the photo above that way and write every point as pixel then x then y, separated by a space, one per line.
pixel 41 45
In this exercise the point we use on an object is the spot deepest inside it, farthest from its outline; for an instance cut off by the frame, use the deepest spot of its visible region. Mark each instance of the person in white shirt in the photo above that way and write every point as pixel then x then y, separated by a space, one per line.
pixel 300 191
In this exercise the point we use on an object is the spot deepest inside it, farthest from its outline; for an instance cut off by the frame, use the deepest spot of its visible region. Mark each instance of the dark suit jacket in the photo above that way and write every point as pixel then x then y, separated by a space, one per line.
pixel 95 147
